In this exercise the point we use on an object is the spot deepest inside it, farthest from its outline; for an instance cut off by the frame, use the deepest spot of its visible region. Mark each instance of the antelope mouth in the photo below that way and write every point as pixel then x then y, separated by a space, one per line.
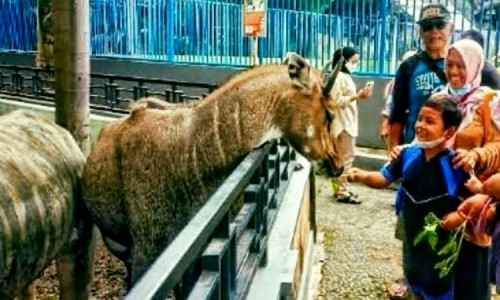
pixel 331 167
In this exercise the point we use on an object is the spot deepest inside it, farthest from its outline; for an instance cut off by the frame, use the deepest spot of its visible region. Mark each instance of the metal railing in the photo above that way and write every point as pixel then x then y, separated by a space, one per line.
pixel 108 92
pixel 216 256
pixel 211 31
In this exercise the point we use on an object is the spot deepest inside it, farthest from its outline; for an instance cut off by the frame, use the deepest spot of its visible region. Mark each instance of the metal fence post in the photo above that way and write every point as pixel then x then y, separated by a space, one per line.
pixel 381 56
pixel 171 12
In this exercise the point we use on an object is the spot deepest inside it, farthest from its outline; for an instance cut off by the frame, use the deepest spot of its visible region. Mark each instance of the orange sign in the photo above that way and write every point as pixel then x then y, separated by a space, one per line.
pixel 254 18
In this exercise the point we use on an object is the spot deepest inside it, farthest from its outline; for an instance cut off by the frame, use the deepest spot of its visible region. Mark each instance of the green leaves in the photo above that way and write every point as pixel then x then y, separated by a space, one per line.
pixel 335 185
pixel 429 232
pixel 449 248
pixel 431 218
pixel 449 251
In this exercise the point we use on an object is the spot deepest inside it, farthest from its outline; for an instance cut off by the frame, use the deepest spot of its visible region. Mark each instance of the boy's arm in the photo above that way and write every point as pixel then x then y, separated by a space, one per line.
pixel 378 179
pixel 372 179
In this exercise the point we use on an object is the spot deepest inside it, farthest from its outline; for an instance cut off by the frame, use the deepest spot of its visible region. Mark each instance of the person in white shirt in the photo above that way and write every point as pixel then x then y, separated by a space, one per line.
pixel 345 116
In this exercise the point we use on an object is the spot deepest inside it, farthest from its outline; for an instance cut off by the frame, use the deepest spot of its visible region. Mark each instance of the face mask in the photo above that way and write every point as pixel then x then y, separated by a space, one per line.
pixel 459 91
pixel 351 67
pixel 429 144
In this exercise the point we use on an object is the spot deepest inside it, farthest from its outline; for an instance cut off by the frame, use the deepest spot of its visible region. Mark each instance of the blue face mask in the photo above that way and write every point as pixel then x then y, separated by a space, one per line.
pixel 459 91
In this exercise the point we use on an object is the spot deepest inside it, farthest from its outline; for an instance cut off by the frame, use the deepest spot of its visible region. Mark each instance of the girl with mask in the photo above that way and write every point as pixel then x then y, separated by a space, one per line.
pixel 345 115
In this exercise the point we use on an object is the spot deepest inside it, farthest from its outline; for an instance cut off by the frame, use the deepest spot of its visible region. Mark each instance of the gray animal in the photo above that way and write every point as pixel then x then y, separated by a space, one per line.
pixel 150 172
pixel 42 215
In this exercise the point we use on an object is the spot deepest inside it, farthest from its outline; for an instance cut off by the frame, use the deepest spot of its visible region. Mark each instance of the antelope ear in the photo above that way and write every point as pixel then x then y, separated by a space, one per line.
pixel 286 59
pixel 299 71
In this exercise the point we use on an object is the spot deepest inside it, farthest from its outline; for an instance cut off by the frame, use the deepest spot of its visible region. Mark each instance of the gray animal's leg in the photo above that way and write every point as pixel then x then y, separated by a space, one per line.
pixel 75 265
pixel 29 293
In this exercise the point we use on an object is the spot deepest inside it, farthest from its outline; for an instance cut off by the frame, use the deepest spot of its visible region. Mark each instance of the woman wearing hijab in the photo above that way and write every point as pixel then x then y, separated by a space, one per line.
pixel 345 111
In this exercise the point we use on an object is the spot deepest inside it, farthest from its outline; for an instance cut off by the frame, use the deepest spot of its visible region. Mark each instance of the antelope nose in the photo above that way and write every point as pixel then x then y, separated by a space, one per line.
pixel 332 168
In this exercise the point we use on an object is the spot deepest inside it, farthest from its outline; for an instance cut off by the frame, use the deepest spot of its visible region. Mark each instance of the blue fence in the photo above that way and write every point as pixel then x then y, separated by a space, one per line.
pixel 211 31
pixel 18 25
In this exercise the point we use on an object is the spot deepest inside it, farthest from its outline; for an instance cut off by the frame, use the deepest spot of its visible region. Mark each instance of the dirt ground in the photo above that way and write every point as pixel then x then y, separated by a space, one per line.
pixel 108 281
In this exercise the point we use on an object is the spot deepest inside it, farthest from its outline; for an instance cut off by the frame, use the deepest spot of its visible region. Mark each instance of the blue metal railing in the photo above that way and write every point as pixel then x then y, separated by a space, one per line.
pixel 211 31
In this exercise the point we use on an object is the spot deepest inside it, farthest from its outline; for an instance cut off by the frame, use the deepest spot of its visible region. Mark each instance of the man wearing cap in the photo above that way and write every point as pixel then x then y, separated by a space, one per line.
pixel 420 75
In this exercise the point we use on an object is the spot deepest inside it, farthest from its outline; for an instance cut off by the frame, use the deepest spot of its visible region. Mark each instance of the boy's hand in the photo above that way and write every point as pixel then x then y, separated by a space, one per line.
pixel 474 185
pixel 354 175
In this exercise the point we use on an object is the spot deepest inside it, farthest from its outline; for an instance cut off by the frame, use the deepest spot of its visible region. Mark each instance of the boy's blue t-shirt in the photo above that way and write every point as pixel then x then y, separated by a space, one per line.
pixel 426 186
pixel 412 159
pixel 423 83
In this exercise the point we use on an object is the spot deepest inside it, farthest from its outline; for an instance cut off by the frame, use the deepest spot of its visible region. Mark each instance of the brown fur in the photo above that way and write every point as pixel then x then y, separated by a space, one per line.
pixel 41 165
pixel 150 172
pixel 155 103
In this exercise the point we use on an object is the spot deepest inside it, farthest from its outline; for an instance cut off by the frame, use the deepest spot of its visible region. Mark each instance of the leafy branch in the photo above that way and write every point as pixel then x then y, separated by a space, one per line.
pixel 452 247
pixel 335 185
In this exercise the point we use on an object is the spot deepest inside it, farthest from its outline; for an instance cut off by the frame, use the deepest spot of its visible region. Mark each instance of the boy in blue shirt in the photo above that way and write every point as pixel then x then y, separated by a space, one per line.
pixel 428 184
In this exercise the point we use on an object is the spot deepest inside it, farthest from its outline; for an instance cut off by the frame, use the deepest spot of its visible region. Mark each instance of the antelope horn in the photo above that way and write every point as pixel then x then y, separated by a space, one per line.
pixel 325 68
pixel 333 77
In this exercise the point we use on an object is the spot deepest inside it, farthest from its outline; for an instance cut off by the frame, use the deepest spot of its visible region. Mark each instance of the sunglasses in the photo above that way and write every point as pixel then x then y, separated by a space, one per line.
pixel 427 26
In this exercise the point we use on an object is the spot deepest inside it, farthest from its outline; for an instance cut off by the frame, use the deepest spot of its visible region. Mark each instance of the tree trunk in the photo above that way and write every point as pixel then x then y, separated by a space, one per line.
pixel 45 36
pixel 72 85
pixel 72 66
